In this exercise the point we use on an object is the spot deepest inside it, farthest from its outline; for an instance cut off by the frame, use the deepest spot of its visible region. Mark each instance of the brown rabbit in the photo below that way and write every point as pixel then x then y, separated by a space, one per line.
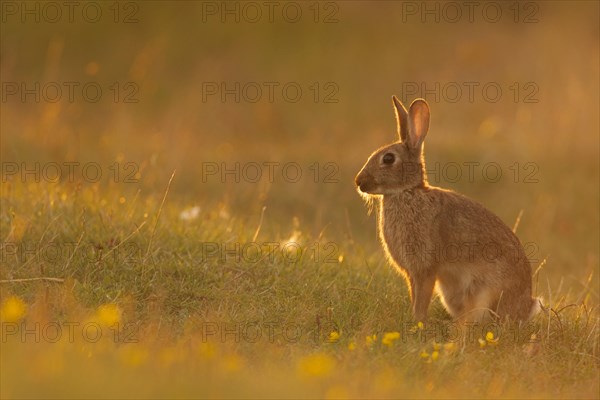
pixel 432 235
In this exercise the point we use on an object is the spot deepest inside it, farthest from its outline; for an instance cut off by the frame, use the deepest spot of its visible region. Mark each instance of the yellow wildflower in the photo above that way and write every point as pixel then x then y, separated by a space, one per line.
pixel 489 337
pixel 316 365
pixel 13 309
pixel 351 346
pixel 108 314
pixel 390 337
pixel 434 355
pixel 369 340
pixel 333 337
pixel 418 327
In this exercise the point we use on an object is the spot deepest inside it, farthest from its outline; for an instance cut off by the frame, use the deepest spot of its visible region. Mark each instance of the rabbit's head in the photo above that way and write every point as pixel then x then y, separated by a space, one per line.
pixel 398 166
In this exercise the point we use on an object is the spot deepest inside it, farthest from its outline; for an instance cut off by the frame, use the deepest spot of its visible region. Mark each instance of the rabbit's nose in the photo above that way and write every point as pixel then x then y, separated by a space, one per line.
pixel 360 180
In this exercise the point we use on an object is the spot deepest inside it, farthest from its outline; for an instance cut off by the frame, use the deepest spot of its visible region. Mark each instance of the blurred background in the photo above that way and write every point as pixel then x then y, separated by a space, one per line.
pixel 186 86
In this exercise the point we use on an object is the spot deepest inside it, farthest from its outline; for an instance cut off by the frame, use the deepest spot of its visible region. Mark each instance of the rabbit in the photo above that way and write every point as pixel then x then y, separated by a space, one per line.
pixel 437 238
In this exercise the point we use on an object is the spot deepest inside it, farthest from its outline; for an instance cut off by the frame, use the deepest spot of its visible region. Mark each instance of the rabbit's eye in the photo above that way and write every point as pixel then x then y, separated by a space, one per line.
pixel 388 158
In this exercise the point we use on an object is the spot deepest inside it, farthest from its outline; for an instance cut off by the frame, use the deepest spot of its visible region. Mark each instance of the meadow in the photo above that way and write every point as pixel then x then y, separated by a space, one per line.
pixel 178 216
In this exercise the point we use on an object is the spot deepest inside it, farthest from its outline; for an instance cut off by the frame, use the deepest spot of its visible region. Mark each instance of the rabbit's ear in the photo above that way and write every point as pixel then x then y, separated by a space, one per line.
pixel 401 119
pixel 418 122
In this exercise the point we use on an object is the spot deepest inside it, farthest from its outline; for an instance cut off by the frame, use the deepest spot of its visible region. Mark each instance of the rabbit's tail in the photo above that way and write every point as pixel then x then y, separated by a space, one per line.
pixel 536 307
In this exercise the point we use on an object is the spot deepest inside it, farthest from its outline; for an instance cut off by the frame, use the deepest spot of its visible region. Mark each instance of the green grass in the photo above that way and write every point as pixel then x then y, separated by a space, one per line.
pixel 261 314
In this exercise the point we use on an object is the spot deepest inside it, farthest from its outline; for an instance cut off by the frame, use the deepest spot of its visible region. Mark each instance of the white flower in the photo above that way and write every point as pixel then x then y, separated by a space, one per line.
pixel 190 213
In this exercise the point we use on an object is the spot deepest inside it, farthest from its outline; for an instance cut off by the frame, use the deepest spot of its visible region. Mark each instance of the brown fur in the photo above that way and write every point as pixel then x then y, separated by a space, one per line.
pixel 436 236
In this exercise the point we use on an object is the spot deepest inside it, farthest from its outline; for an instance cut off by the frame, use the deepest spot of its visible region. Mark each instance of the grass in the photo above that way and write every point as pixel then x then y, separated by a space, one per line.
pixel 190 322
pixel 208 287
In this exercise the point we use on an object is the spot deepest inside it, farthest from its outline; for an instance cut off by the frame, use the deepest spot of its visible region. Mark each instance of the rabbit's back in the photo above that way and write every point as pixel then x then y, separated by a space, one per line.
pixel 435 226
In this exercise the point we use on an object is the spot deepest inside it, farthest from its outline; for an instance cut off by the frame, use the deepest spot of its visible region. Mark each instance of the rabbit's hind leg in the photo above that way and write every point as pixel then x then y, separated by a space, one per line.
pixel 478 303
pixel 465 299
pixel 452 297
